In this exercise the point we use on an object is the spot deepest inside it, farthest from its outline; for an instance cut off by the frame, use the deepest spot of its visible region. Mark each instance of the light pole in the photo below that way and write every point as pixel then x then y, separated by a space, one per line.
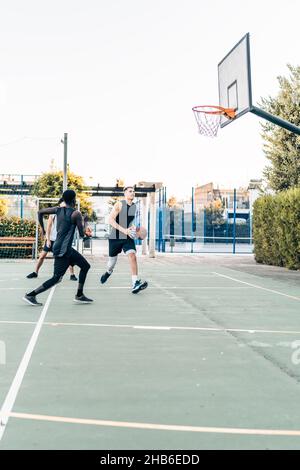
pixel 65 167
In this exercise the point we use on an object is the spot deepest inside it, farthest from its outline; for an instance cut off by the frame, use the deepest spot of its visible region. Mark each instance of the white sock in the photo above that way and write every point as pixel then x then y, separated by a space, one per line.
pixel 134 279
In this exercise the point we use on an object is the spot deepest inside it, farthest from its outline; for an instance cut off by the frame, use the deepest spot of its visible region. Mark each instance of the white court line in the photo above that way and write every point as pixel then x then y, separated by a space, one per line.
pixel 14 288
pixel 156 427
pixel 181 274
pixel 259 287
pixel 149 287
pixel 153 327
pixel 137 327
pixel 174 287
pixel 16 384
pixel 16 322
pixel 166 287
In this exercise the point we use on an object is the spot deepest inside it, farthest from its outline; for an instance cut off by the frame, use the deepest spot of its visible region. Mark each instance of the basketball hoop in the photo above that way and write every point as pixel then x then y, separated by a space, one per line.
pixel 209 118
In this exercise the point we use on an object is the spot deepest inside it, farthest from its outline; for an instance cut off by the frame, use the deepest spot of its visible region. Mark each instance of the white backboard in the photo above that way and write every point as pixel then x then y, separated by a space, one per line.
pixel 234 75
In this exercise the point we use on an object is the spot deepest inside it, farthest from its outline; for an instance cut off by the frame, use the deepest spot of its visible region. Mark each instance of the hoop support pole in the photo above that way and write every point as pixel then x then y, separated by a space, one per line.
pixel 275 120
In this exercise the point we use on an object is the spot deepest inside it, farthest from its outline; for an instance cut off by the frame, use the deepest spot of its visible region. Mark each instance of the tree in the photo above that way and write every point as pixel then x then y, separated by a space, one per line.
pixel 113 199
pixel 120 183
pixel 282 148
pixel 214 213
pixel 51 185
pixel 3 207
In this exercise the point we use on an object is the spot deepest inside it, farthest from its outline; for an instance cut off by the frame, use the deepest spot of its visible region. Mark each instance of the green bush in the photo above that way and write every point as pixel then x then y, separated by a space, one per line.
pixel 17 227
pixel 3 206
pixel 276 229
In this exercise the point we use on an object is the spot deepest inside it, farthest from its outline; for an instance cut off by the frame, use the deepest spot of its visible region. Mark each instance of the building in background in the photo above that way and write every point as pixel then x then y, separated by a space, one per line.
pixel 6 178
pixel 254 190
pixel 206 194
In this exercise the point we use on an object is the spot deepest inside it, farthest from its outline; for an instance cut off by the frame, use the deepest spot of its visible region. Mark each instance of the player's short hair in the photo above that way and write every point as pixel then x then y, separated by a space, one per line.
pixel 69 196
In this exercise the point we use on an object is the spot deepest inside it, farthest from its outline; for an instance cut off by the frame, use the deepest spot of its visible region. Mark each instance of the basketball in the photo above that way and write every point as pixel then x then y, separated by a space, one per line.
pixel 141 233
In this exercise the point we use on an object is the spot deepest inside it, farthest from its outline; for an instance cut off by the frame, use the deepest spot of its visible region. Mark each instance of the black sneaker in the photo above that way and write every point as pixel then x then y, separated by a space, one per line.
pixel 30 299
pixel 104 277
pixel 82 299
pixel 139 285
pixel 73 277
pixel 32 275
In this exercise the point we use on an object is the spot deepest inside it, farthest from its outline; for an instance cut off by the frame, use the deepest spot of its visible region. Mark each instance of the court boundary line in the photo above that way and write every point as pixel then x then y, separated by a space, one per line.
pixel 154 327
pixel 17 322
pixel 258 287
pixel 182 273
pixel 11 396
pixel 155 426
pixel 149 287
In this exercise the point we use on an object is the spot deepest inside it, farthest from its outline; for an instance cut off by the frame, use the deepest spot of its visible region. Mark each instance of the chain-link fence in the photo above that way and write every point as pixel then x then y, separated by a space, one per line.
pixel 20 234
pixel 190 227
pixel 18 227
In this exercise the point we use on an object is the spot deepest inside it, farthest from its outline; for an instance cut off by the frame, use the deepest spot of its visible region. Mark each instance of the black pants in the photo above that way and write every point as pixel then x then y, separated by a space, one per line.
pixel 61 264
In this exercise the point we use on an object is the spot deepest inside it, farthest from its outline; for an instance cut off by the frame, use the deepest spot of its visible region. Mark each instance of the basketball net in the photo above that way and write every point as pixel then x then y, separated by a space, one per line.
pixel 208 118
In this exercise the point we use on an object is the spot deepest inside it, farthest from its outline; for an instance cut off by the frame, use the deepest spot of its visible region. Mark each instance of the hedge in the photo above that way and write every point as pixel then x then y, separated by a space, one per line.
pixel 17 227
pixel 276 229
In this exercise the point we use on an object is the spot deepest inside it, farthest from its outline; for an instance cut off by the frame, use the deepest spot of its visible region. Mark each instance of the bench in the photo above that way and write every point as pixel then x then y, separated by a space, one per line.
pixel 24 244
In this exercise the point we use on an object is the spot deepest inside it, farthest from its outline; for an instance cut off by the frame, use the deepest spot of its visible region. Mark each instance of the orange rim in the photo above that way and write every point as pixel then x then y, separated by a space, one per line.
pixel 208 109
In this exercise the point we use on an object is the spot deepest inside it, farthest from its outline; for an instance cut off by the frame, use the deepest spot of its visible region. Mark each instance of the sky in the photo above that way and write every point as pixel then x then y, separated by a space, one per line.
pixel 121 76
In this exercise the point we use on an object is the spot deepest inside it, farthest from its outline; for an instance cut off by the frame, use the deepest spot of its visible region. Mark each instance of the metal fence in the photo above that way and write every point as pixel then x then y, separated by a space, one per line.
pixel 20 206
pixel 18 227
pixel 188 227
pixel 20 236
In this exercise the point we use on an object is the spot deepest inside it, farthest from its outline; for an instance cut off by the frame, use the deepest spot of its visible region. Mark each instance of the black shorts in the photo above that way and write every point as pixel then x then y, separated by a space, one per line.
pixel 47 249
pixel 116 246
pixel 72 258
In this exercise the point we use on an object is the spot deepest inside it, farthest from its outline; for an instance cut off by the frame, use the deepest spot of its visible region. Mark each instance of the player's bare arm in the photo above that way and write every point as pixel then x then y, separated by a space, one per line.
pixel 48 230
pixel 45 211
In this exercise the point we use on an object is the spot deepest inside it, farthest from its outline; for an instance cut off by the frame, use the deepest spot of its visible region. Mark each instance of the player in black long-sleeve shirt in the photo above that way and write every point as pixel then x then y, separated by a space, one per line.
pixel 64 255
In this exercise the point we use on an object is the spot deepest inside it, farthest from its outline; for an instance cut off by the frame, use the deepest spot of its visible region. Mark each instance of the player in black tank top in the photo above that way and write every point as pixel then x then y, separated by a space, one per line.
pixel 48 247
pixel 125 218
pixel 64 255
pixel 122 238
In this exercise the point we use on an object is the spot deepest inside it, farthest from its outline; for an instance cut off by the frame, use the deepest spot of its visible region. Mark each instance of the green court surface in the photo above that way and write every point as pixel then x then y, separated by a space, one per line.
pixel 208 357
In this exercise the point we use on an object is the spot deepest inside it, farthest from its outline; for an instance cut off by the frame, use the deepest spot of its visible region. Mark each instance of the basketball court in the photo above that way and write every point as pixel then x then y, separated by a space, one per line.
pixel 206 358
